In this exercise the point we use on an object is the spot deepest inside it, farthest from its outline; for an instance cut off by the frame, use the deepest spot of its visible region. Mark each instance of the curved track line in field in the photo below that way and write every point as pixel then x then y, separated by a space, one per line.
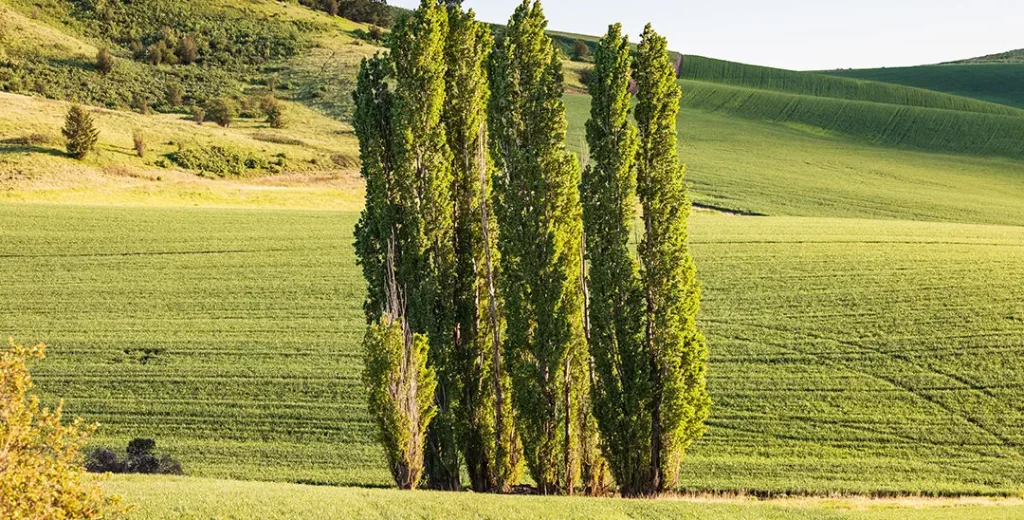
pixel 1007 442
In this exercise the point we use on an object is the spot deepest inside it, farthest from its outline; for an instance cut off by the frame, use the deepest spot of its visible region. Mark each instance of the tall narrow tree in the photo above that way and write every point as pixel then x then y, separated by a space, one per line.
pixel 399 384
pixel 623 390
pixel 489 442
pixel 423 161
pixel 539 214
pixel 678 352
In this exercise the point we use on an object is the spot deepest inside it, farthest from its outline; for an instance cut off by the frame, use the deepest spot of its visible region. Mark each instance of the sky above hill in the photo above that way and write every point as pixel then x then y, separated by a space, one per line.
pixel 797 34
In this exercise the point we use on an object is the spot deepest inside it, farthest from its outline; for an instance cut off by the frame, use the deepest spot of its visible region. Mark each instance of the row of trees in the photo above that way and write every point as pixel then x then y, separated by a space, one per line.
pixel 510 324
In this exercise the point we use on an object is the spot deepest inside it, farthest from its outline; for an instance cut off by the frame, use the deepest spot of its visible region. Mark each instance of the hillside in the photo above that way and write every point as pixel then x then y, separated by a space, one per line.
pixel 992 82
pixel 1015 56
pixel 811 84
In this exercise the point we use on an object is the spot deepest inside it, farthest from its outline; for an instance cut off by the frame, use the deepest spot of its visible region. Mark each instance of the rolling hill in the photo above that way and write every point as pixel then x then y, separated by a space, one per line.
pixel 861 244
pixel 995 82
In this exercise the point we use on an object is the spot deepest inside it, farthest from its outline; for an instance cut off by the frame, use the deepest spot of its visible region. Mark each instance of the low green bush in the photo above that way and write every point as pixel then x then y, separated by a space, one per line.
pixel 220 160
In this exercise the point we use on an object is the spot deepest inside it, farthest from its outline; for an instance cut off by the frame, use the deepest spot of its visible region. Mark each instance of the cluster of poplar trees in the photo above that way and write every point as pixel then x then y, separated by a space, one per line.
pixel 511 324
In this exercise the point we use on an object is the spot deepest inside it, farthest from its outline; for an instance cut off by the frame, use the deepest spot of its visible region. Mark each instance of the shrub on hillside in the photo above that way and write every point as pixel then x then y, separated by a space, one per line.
pixel 104 61
pixel 219 160
pixel 40 472
pixel 139 139
pixel 80 132
pixel 198 115
pixel 273 110
pixel 221 111
pixel 175 95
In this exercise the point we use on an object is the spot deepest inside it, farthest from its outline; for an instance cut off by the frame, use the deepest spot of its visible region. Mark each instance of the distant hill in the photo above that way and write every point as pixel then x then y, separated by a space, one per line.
pixel 994 82
pixel 1015 56
pixel 812 84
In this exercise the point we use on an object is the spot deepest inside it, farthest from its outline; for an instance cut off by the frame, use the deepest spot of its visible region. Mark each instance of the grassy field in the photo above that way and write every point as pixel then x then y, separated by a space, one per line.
pixel 841 86
pixel 847 355
pixel 993 82
pixel 188 499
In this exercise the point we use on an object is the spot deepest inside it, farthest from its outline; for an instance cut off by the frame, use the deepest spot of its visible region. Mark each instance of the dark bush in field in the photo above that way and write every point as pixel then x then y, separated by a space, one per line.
pixel 141 457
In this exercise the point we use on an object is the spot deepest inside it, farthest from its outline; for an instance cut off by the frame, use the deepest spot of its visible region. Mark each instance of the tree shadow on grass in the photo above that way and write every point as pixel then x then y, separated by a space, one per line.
pixel 8 148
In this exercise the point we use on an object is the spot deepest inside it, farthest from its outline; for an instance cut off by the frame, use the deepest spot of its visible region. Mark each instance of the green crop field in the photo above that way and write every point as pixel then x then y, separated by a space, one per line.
pixel 884 124
pixel 201 499
pixel 848 355
pixel 993 82
pixel 842 85
pixel 763 167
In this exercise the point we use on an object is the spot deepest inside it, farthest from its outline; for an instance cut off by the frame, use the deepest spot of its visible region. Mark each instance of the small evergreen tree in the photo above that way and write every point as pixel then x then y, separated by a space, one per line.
pixel 104 61
pixel 80 132
pixel 678 351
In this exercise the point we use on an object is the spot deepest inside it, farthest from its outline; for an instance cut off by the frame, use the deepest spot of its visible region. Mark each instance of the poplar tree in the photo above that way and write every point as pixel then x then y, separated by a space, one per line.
pixel 423 162
pixel 487 436
pixel 539 214
pixel 678 351
pixel 622 393
pixel 399 383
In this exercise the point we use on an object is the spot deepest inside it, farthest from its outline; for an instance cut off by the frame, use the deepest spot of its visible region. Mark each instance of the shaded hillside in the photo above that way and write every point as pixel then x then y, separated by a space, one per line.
pixel 994 82
pixel 812 84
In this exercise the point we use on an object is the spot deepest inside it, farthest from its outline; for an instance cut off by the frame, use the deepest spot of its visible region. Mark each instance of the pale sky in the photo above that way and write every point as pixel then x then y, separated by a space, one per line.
pixel 797 34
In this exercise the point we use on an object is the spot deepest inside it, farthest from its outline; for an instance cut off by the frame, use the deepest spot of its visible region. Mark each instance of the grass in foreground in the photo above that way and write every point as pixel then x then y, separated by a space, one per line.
pixel 847 355
pixel 189 498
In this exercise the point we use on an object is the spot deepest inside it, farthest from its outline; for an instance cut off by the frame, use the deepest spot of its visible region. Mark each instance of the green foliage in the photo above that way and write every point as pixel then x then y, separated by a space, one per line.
pixel 992 82
pixel 219 160
pixel 401 394
pixel 40 470
pixel 374 12
pixel 538 209
pixel 624 389
pixel 222 111
pixel 175 95
pixel 80 132
pixel 35 74
pixel 273 110
pixel 198 115
pixel 487 435
pixel 424 183
pixel 397 373
pixel 812 84
pixel 216 34
pixel 677 348
pixel 878 123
